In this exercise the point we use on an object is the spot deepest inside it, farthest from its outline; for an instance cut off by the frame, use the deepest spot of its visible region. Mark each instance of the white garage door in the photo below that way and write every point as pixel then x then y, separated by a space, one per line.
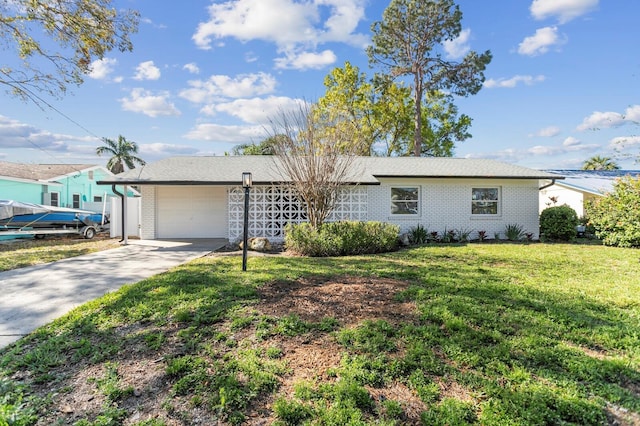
pixel 191 212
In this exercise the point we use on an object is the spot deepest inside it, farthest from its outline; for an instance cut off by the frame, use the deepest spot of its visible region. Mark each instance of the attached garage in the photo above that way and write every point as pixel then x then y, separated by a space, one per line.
pixel 191 212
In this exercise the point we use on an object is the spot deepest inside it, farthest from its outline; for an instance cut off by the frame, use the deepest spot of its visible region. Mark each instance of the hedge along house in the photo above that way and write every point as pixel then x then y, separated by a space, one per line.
pixel 202 197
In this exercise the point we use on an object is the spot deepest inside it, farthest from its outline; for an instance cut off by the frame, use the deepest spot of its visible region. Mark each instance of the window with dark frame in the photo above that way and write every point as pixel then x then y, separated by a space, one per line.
pixel 485 201
pixel 76 201
pixel 54 199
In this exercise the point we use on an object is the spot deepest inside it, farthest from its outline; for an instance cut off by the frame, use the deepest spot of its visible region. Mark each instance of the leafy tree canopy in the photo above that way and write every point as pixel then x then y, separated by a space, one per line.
pixel 55 42
pixel 266 147
pixel 122 152
pixel 600 163
pixel 408 41
pixel 381 112
pixel 616 216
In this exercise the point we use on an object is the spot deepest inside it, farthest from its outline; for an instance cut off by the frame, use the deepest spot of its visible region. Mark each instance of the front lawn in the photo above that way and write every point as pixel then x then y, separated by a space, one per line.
pixel 491 334
pixel 28 252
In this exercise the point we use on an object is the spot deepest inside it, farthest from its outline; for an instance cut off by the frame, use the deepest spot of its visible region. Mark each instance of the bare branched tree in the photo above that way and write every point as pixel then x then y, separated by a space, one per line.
pixel 316 156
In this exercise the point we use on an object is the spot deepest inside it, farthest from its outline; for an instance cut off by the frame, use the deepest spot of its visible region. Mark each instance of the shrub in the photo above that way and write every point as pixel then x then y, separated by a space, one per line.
pixel 616 216
pixel 558 223
pixel 514 232
pixel 418 235
pixel 341 238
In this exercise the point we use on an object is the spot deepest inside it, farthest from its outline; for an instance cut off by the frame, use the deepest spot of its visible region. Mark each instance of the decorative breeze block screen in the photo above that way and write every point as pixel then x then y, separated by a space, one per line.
pixel 272 207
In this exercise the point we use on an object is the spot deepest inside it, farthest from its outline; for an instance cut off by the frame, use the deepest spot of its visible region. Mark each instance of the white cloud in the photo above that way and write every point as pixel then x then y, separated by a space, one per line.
pixel 147 103
pixel 223 86
pixel 571 141
pixel 547 132
pixel 192 67
pixel 540 42
pixel 18 135
pixel 256 110
pixel 102 68
pixel 286 23
pixel 164 149
pixel 306 60
pixel 147 71
pixel 513 81
pixel 229 134
pixel 609 119
pixel 564 10
pixel 624 142
pixel 458 47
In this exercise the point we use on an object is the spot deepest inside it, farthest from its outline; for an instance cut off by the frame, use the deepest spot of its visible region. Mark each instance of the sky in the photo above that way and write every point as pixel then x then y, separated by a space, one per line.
pixel 204 76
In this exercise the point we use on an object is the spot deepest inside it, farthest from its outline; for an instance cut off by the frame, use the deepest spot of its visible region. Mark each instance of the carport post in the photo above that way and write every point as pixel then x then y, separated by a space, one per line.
pixel 124 216
pixel 246 184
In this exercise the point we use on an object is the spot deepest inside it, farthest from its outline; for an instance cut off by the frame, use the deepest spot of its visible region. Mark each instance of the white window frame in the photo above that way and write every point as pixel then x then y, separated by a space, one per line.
pixel 395 204
pixel 497 201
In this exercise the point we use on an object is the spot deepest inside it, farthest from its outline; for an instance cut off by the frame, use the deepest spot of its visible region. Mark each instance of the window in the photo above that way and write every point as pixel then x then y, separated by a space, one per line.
pixel 97 198
pixel 404 200
pixel 76 201
pixel 54 199
pixel 485 201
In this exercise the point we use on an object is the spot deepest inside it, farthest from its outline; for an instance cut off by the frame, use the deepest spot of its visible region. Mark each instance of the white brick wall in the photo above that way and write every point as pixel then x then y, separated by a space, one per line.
pixel 148 212
pixel 445 204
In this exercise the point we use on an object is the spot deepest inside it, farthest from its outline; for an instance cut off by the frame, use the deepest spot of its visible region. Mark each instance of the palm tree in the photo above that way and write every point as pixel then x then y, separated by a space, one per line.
pixel 600 163
pixel 122 153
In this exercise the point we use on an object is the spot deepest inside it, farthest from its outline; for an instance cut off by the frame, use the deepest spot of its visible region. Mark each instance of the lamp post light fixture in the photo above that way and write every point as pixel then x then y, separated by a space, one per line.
pixel 247 181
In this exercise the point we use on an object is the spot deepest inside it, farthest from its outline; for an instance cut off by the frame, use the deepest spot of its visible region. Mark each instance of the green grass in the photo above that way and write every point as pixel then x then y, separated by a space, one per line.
pixel 22 253
pixel 531 334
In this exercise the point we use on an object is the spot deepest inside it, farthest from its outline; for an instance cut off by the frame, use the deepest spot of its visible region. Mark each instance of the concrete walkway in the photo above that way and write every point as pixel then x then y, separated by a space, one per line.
pixel 36 295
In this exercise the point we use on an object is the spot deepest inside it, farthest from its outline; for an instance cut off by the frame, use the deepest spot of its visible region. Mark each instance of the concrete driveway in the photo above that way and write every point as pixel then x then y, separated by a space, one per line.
pixel 36 295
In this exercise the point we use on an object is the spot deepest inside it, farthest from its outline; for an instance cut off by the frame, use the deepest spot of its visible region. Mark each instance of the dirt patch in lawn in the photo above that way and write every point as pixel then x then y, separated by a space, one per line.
pixel 309 357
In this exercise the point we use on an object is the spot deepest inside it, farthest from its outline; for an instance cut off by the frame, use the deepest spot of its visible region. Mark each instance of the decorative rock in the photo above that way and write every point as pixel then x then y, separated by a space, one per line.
pixel 258 244
pixel 404 239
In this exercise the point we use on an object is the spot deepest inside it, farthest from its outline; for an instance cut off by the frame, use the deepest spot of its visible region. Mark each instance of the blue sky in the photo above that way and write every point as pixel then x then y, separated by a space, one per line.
pixel 564 84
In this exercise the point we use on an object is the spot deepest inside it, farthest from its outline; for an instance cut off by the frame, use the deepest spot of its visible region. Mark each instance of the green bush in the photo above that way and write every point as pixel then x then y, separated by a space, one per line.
pixel 616 216
pixel 559 223
pixel 341 238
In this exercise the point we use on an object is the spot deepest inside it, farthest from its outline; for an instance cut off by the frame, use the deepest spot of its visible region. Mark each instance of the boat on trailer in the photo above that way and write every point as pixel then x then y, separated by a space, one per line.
pixel 18 219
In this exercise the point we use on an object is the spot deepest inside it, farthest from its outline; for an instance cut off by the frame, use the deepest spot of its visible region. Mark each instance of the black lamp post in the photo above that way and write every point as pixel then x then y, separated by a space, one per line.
pixel 247 181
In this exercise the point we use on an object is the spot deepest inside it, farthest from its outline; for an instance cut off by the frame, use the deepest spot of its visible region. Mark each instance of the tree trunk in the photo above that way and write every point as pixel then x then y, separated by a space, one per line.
pixel 417 137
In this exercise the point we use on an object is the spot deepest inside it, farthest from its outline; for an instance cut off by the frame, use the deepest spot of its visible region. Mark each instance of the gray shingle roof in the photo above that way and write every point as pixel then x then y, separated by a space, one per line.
pixel 366 170
pixel 39 171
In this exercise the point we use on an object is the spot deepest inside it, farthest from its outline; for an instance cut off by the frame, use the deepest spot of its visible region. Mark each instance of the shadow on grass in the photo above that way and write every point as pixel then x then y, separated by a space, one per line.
pixel 525 353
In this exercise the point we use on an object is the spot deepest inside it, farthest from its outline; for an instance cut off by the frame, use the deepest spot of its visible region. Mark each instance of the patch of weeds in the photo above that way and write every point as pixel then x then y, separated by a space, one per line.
pixel 427 390
pixel 242 318
pixel 14 406
pixel 450 411
pixel 155 340
pixel 291 412
pixel 292 325
pixel 348 393
pixel 273 352
pixel 109 385
pixel 391 409
pixel 370 337
pixel 150 422
pixel 110 415
pixel 366 370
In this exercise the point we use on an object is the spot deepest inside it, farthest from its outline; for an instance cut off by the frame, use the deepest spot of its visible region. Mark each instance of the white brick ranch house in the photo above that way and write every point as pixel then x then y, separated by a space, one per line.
pixel 202 197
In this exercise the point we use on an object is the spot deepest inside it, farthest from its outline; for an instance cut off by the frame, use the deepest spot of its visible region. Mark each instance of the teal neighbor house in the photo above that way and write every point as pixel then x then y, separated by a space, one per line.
pixel 60 185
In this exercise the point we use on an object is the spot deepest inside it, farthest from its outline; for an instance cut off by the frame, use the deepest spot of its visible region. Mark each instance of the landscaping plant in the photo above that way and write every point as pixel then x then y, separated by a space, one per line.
pixel 616 216
pixel 558 223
